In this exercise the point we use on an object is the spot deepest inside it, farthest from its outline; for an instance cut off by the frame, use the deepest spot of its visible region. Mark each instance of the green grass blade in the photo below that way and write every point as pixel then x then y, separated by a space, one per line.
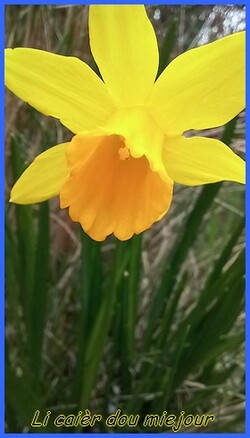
pixel 129 298
pixel 98 336
pixel 25 242
pixel 91 297
pixel 40 287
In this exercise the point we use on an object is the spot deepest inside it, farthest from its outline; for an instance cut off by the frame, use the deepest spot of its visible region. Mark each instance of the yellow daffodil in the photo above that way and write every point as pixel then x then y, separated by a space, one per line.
pixel 116 175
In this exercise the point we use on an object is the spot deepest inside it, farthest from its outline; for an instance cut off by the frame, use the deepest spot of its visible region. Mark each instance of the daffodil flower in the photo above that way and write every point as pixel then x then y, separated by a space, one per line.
pixel 116 175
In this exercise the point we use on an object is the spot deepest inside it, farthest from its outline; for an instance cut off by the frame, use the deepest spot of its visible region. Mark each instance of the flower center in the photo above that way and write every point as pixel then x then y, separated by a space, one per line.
pixel 110 191
pixel 140 135
pixel 124 153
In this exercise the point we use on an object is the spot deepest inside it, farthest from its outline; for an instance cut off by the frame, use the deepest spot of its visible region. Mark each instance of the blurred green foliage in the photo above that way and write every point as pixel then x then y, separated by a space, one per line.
pixel 152 324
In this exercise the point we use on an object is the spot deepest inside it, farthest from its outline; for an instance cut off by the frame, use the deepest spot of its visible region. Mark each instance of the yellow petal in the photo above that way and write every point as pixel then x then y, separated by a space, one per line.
pixel 124 46
pixel 199 160
pixel 202 88
pixel 60 86
pixel 43 179
pixel 108 191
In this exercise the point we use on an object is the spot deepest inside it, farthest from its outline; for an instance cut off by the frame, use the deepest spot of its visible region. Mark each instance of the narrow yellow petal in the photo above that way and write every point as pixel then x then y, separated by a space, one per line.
pixel 199 160
pixel 60 86
pixel 124 45
pixel 202 88
pixel 43 179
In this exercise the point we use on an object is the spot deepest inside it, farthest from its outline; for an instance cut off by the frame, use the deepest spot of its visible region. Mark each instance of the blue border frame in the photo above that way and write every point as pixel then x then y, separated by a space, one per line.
pixel 2 234
pixel 160 2
pixel 74 2
pixel 247 421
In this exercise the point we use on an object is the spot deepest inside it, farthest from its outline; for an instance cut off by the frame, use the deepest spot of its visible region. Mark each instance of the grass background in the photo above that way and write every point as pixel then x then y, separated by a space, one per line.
pixel 152 324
